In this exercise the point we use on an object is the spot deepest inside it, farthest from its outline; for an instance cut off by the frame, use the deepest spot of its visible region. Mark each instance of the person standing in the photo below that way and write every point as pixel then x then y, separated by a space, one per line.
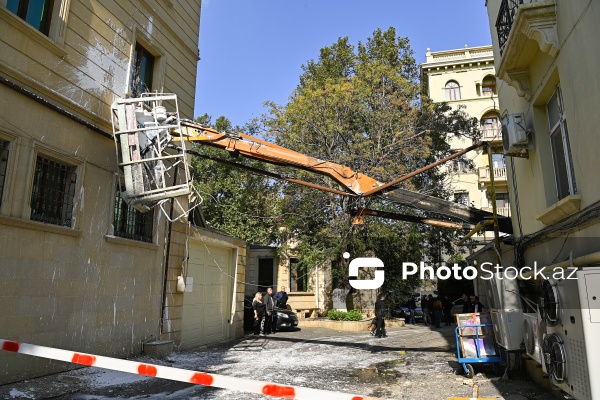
pixel 429 314
pixel 476 305
pixel 467 307
pixel 447 306
pixel 437 312
pixel 425 308
pixel 412 306
pixel 259 313
pixel 380 310
pixel 281 298
pixel 271 317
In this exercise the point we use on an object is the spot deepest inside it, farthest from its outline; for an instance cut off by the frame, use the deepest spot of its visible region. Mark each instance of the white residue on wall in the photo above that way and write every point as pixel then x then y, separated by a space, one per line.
pixel 105 66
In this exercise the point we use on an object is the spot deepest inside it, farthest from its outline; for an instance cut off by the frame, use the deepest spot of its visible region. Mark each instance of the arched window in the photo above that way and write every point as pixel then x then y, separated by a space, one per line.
pixel 488 86
pixel 490 126
pixel 452 91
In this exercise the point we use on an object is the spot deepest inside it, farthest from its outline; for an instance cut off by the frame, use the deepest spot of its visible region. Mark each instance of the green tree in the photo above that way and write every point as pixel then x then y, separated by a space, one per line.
pixel 235 201
pixel 362 107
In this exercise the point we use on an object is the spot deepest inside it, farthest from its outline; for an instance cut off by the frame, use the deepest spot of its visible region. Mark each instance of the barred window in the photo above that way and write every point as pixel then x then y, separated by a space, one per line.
pixel 53 192
pixel 3 165
pixel 130 223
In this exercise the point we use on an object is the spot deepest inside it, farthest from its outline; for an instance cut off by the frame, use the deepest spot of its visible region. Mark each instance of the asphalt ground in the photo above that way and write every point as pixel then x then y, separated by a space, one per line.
pixel 413 362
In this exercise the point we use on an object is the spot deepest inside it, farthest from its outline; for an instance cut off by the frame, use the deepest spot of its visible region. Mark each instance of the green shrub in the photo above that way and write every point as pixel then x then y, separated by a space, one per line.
pixel 352 315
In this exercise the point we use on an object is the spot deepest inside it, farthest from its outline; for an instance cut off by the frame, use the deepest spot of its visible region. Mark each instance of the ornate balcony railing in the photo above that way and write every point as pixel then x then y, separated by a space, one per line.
pixel 506 16
pixel 505 211
pixel 499 173
pixel 492 133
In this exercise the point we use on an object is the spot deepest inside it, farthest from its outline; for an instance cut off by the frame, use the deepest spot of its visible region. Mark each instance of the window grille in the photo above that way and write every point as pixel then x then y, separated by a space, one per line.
pixel 53 192
pixel 130 223
pixel 3 165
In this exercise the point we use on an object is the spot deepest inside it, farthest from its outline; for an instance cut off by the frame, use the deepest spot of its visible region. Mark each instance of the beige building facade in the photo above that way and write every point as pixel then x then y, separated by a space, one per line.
pixel 310 290
pixel 548 97
pixel 79 268
pixel 466 77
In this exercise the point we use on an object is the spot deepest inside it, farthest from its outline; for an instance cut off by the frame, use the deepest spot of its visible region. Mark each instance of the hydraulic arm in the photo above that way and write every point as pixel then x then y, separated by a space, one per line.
pixel 354 183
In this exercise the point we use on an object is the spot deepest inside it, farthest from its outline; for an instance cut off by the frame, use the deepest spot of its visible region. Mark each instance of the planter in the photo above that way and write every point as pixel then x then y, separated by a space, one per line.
pixel 345 326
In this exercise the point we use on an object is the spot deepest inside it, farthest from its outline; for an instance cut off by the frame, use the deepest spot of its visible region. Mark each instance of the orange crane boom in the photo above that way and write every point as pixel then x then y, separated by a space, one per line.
pixel 354 183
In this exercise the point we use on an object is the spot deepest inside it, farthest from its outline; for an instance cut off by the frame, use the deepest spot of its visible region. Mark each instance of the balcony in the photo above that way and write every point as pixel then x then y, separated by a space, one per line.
pixel 499 174
pixel 523 26
pixel 505 211
pixel 492 134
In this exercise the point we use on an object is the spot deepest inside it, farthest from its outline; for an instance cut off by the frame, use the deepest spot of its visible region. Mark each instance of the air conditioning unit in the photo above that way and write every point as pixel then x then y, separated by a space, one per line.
pixel 533 332
pixel 514 134
pixel 570 320
pixel 508 328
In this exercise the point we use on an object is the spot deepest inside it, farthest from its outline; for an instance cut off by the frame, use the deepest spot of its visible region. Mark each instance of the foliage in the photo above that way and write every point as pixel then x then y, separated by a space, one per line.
pixel 356 106
pixel 362 107
pixel 235 202
pixel 352 315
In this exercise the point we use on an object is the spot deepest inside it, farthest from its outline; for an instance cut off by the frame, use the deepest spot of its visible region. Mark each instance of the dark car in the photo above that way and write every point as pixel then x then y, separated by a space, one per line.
pixel 402 311
pixel 286 319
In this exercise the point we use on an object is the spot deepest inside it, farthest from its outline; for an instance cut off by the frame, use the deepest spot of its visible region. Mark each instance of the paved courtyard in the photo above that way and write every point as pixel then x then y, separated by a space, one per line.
pixel 413 362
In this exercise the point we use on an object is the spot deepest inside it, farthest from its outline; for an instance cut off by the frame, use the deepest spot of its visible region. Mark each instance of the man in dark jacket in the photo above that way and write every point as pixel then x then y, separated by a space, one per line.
pixel 380 310
pixel 467 306
pixel 271 317
pixel 447 305
pixel 281 298
pixel 476 305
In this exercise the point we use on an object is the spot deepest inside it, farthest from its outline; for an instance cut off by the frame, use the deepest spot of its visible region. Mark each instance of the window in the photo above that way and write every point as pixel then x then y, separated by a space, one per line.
pixel 298 276
pixel 53 192
pixel 461 164
pixel 452 91
pixel 142 69
pixel 131 223
pixel 488 86
pixel 462 198
pixel 37 13
pixel 561 152
pixel 498 161
pixel 502 200
pixel 490 127
pixel 266 278
pixel 3 165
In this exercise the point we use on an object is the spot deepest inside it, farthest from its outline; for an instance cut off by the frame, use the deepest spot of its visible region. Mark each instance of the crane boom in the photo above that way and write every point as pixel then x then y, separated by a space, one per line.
pixel 354 182
pixel 144 133
pixel 259 149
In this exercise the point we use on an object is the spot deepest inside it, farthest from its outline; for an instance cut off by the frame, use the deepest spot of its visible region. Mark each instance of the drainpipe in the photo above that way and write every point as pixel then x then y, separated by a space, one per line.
pixel 592 258
pixel 163 305
pixel 494 208
pixel 317 284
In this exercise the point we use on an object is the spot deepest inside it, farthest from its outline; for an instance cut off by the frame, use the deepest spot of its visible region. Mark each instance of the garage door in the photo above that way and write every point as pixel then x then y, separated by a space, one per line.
pixel 206 307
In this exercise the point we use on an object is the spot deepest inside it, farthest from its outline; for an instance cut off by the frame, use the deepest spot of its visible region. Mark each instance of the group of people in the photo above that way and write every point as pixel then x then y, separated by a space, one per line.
pixel 265 315
pixel 439 309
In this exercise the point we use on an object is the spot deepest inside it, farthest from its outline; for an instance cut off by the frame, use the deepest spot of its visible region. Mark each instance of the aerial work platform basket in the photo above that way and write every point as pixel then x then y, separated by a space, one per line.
pixel 142 130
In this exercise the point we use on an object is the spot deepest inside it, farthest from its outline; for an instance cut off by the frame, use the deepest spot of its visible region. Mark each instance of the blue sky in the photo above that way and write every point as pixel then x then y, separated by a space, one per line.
pixel 252 50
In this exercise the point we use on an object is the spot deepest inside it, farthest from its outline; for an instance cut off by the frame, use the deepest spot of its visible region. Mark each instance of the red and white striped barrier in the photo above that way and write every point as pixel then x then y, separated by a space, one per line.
pixel 178 374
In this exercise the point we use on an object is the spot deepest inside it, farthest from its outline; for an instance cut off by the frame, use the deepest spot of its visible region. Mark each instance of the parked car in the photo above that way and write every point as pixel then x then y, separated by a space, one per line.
pixel 286 319
pixel 402 311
